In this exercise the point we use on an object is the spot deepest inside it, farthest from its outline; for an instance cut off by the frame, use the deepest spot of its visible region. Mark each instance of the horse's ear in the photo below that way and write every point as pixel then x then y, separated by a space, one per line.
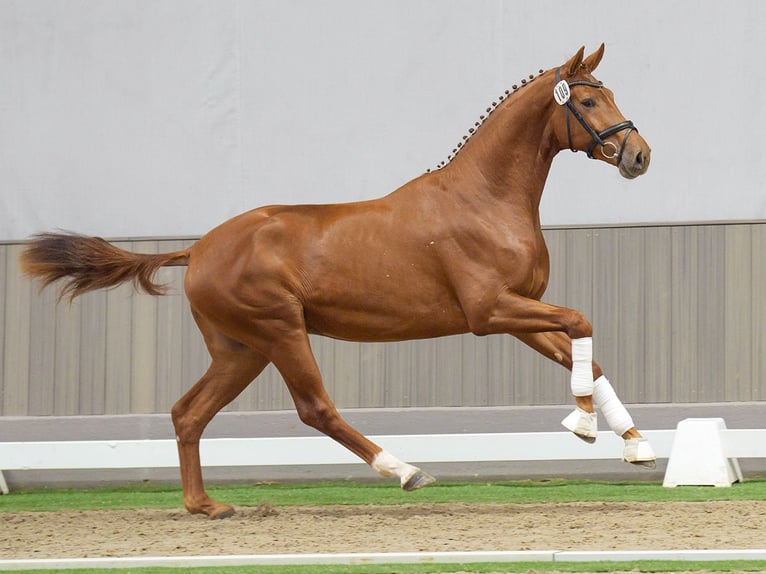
pixel 574 63
pixel 591 62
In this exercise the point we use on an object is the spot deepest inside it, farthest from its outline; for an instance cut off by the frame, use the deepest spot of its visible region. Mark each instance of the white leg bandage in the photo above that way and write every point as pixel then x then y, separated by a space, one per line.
pixel 386 464
pixel 640 452
pixel 615 413
pixel 583 424
pixel 582 367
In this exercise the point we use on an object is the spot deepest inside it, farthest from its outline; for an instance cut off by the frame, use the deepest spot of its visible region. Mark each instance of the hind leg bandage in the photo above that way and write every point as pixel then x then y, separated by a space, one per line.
pixel 615 413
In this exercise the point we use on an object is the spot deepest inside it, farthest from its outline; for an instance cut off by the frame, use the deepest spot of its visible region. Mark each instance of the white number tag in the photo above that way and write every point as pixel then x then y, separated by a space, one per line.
pixel 561 93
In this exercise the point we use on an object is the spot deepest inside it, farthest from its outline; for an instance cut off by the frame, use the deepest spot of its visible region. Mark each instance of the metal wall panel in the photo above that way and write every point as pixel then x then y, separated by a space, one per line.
pixel 3 304
pixel 758 324
pixel 16 344
pixel 679 315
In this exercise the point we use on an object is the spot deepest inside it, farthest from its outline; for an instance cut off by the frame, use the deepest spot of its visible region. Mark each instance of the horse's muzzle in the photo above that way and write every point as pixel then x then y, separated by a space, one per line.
pixel 635 157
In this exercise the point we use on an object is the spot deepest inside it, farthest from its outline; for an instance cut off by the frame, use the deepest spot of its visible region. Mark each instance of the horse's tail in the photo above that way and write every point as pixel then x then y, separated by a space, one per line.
pixel 90 263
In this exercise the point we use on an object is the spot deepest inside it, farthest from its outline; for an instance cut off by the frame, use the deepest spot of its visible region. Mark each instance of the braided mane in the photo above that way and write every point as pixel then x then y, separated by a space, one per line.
pixel 491 108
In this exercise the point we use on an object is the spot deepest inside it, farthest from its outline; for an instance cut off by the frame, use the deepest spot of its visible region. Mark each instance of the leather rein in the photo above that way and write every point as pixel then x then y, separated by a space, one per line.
pixel 562 95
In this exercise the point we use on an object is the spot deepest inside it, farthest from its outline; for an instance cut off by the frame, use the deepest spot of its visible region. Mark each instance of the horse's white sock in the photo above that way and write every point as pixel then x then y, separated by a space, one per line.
pixel 582 367
pixel 386 464
pixel 615 413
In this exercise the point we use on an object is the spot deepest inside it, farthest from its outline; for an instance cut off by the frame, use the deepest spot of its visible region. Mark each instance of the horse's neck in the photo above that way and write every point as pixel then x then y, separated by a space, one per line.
pixel 510 155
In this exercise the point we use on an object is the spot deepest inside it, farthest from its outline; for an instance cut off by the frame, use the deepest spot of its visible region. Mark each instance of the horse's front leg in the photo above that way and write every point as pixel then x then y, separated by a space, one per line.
pixel 556 346
pixel 565 335
pixel 512 313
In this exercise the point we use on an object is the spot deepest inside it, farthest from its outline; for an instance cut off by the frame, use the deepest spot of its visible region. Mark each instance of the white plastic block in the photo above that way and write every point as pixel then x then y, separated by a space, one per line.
pixel 698 456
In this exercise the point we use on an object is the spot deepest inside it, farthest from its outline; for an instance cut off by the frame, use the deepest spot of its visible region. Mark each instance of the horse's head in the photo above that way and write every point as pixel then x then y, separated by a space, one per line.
pixel 587 119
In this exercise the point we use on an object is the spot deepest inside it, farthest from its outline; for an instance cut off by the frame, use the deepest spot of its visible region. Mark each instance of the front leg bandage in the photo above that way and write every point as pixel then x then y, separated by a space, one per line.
pixel 582 367
pixel 615 413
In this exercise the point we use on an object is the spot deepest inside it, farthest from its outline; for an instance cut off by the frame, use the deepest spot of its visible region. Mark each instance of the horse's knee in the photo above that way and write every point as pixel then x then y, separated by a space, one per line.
pixel 188 427
pixel 577 326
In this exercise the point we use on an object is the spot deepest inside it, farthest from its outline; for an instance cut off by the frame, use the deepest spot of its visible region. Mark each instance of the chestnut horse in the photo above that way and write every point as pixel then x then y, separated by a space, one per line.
pixel 456 250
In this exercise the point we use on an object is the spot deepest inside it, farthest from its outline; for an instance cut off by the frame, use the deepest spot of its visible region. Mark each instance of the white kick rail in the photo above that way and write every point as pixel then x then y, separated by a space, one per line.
pixel 290 451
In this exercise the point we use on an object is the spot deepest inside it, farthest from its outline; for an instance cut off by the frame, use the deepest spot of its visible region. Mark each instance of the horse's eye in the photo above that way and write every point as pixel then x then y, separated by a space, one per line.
pixel 588 103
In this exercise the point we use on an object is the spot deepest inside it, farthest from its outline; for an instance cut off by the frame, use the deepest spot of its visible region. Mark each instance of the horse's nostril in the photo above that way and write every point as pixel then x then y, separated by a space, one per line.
pixel 639 160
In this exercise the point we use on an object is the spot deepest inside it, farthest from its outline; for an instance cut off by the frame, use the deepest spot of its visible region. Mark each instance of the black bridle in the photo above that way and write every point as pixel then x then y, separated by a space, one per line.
pixel 597 138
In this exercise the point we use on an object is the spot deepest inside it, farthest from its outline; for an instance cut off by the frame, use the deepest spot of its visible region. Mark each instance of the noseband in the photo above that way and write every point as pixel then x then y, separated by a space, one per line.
pixel 562 95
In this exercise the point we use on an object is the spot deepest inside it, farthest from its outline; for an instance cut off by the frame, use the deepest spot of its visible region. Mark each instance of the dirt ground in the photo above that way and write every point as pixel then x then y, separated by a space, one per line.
pixel 412 527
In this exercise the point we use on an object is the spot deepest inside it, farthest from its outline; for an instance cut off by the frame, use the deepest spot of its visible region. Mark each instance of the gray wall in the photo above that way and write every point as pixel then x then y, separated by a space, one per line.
pixel 172 115
pixel 679 316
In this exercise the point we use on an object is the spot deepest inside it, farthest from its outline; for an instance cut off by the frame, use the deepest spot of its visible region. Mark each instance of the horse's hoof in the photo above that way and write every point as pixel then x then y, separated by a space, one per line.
pixel 639 452
pixel 583 424
pixel 647 464
pixel 418 480
pixel 226 511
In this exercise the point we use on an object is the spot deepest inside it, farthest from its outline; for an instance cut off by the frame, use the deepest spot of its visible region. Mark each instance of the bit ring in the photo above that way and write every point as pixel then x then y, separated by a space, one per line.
pixel 614 147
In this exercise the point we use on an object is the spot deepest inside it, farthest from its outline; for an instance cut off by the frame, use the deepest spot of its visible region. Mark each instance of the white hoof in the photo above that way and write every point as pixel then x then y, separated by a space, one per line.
pixel 583 424
pixel 638 451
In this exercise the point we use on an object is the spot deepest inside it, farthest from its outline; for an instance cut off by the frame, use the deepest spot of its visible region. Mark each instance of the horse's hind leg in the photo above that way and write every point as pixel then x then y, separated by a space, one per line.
pixel 232 368
pixel 293 358
pixel 557 347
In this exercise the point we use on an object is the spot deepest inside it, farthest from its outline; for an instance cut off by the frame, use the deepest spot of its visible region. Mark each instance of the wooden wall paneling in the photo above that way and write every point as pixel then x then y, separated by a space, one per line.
pixel 143 354
pixel 67 384
pixel 523 374
pixel 93 308
pixel 346 376
pixel 41 325
pixel 475 372
pixel 399 378
pixel 372 384
pixel 631 311
pixel 553 386
pixel 657 322
pixel 710 312
pixel 4 278
pixel 738 313
pixel 684 370
pixel 16 363
pixel 608 316
pixel 678 314
pixel 501 385
pixel 758 323
pixel 451 382
pixel 421 359
pixel 541 379
pixel 579 270
pixel 119 353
